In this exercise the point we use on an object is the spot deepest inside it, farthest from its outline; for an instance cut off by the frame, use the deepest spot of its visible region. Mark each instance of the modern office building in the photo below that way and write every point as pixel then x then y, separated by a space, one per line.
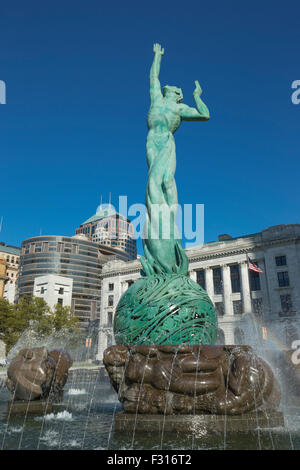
pixel 11 255
pixel 76 258
pixel 269 301
pixel 110 229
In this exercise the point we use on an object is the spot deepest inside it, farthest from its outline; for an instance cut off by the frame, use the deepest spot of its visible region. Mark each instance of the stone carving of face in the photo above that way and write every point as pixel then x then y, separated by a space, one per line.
pixel 34 372
pixel 27 372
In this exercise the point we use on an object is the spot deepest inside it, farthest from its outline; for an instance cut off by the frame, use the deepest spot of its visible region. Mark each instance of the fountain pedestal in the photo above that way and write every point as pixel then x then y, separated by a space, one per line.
pixel 198 425
pixel 40 407
pixel 181 387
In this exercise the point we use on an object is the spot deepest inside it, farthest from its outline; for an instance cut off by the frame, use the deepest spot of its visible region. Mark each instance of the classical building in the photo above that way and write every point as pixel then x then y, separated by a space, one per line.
pixel 3 276
pixel 76 260
pixel 265 305
pixel 108 228
pixel 11 256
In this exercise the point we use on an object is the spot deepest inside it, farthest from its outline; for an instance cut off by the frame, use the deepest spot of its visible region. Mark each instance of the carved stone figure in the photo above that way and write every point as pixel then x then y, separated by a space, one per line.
pixel 37 373
pixel 191 379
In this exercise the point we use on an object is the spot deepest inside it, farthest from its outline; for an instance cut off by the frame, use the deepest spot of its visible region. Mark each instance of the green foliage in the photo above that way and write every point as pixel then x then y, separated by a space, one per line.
pixel 33 312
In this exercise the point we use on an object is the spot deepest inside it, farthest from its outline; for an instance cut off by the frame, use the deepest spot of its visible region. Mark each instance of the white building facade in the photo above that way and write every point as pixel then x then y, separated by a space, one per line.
pixel 54 289
pixel 269 301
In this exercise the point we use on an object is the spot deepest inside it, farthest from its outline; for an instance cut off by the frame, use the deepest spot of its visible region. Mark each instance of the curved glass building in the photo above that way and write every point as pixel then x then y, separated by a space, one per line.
pixel 110 229
pixel 72 257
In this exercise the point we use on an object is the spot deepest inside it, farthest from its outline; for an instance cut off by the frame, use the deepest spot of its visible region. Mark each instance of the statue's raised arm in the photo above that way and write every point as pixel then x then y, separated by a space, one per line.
pixel 155 88
pixel 192 114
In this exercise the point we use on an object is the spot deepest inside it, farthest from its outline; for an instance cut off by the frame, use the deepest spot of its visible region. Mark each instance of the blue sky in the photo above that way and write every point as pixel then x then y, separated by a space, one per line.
pixel 74 126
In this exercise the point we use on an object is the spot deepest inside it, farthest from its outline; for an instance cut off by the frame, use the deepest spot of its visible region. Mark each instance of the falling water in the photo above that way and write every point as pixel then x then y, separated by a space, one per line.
pixel 85 418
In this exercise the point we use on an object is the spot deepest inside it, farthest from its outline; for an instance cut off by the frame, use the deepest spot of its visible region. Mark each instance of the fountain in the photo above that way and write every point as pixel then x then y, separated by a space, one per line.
pixel 169 375
pixel 165 368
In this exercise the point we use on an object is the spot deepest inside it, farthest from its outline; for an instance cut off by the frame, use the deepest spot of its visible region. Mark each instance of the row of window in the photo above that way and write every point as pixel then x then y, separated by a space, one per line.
pixel 235 279
pixel 283 279
pixel 257 305
pixel 12 259
pixel 60 247
pixel 60 290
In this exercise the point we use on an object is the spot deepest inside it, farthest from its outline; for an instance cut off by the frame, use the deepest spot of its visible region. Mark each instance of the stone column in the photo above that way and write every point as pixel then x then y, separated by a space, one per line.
pixel 264 289
pixel 209 283
pixel 193 275
pixel 124 287
pixel 102 345
pixel 227 291
pixel 246 294
pixel 228 329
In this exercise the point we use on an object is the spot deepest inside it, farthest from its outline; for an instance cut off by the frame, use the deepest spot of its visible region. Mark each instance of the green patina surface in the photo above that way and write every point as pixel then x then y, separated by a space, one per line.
pixel 165 306
pixel 165 309
pixel 162 244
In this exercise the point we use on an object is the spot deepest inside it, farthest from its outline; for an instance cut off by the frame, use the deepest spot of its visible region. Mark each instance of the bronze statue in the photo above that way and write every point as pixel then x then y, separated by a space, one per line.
pixel 191 379
pixel 36 373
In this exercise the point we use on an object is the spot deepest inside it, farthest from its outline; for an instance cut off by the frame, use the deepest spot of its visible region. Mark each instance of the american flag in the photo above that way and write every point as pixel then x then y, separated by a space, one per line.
pixel 253 266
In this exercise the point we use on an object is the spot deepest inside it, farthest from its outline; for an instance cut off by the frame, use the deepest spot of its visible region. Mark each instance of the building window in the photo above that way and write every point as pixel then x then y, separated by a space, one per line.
pixel 111 287
pixel 61 291
pixel 217 278
pixel 45 246
pixel 254 280
pixel 257 306
pixel 201 278
pixel 60 247
pixel 60 301
pixel 239 336
pixel 109 340
pixel 42 290
pixel 75 249
pixel 235 278
pixel 237 307
pixel 280 260
pixel 110 318
pixel 220 337
pixel 110 300
pixel 219 306
pixel 286 303
pixel 283 279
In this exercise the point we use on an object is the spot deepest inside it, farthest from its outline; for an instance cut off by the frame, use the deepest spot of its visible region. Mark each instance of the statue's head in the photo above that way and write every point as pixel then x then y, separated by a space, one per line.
pixel 174 93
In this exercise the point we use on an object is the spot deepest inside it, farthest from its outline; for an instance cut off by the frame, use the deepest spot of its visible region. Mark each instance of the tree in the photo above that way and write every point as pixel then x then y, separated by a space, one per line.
pixel 34 313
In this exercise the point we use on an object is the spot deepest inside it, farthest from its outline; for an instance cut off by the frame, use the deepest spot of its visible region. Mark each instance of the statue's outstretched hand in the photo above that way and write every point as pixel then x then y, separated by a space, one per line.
pixel 157 49
pixel 198 90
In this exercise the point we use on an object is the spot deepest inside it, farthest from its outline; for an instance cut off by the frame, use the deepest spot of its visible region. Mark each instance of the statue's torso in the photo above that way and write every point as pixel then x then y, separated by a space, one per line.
pixel 164 116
